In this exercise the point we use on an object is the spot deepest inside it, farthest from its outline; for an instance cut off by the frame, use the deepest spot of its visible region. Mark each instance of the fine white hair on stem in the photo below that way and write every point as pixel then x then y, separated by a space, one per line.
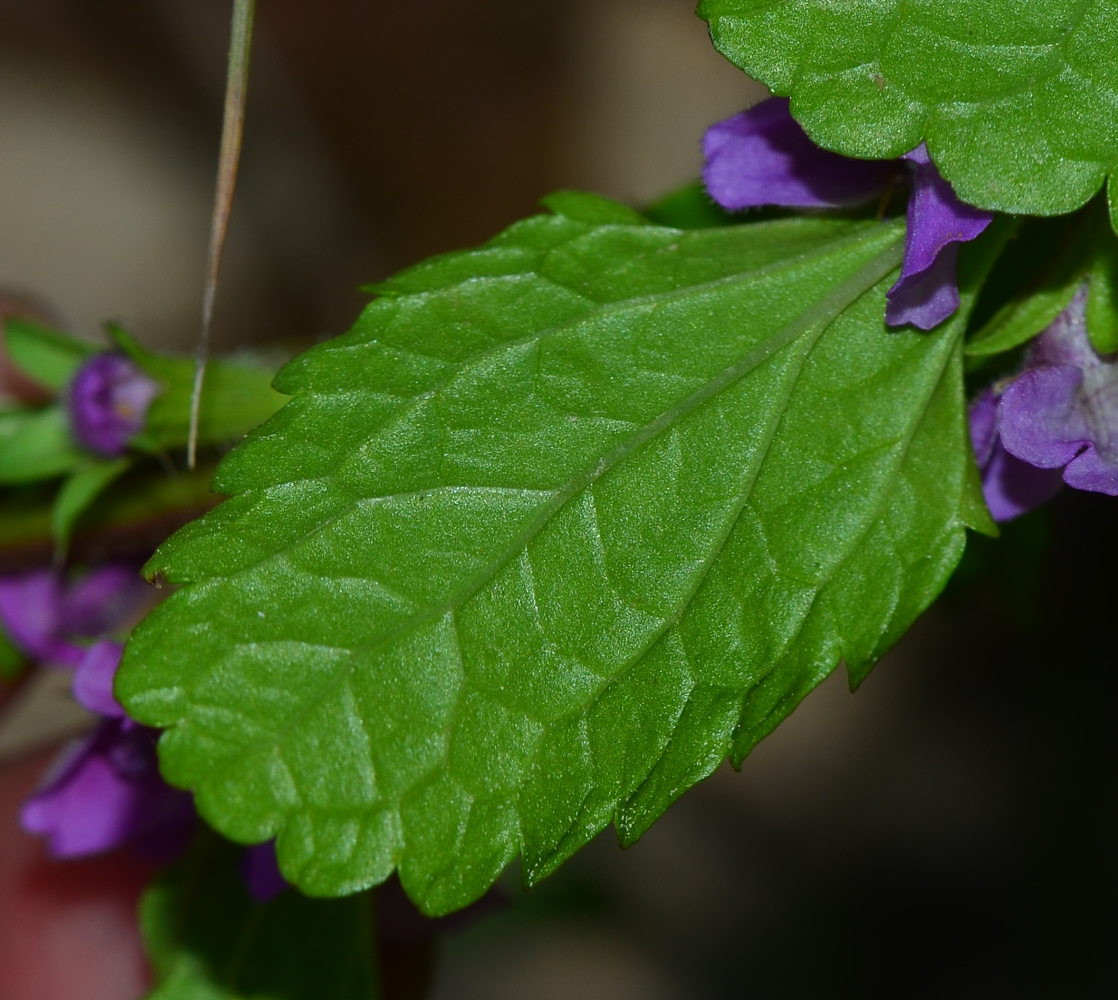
pixel 240 43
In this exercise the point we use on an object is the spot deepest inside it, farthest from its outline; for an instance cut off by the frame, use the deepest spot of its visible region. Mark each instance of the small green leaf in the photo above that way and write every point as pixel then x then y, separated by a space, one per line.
pixel 46 356
pixel 12 661
pixel 562 523
pixel 36 444
pixel 1102 296
pixel 83 486
pixel 236 397
pixel 1046 267
pixel 1016 100
pixel 208 940
pixel 581 206
pixel 1020 321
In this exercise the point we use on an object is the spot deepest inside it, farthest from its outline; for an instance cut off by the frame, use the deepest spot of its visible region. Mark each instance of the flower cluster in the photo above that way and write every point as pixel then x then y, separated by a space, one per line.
pixel 105 790
pixel 763 157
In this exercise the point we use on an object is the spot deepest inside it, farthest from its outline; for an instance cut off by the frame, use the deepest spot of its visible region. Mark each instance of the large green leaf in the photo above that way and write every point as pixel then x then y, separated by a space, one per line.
pixel 208 940
pixel 1017 100
pixel 562 523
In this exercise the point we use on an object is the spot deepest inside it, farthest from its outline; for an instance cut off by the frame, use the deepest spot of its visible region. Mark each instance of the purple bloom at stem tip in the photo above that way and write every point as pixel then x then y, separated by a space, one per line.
pixel 108 403
pixel 763 157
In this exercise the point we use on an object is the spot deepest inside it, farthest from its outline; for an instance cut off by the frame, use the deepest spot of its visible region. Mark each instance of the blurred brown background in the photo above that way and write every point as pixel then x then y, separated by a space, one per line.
pixel 378 133
pixel 945 833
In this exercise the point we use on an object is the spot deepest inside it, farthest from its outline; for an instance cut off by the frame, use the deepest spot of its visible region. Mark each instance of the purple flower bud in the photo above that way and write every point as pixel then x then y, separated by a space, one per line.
pixel 1062 411
pixel 764 157
pixel 109 400
pixel 107 792
pixel 260 872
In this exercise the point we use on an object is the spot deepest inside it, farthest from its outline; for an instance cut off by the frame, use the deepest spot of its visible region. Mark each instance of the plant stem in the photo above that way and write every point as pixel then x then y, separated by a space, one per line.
pixel 236 89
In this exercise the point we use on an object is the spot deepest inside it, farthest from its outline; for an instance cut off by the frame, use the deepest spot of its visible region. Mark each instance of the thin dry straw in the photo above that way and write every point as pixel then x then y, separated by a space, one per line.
pixel 236 86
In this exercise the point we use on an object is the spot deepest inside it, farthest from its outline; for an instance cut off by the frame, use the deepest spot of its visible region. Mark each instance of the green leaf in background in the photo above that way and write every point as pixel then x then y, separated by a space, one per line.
pixel 12 661
pixel 690 207
pixel 562 523
pixel 36 444
pixel 237 396
pixel 45 356
pixel 1015 99
pixel 208 940
pixel 83 486
pixel 1102 297
pixel 1046 269
pixel 127 521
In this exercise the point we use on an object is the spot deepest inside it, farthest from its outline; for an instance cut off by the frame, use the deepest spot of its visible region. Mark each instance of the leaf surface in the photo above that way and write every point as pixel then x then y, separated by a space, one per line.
pixel 1016 100
pixel 562 523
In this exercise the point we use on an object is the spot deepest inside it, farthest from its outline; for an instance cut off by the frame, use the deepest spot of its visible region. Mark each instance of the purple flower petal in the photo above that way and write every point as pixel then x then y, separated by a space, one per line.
pixel 261 873
pixel 763 157
pixel 1062 411
pixel 31 607
pixel 983 418
pixel 39 611
pixel 928 297
pixel 93 680
pixel 107 792
pixel 108 402
pixel 1040 421
pixel 1010 486
pixel 927 291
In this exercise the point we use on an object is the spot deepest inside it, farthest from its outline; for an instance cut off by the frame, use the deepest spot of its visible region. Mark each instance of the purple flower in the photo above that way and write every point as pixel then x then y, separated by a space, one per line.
pixel 1061 413
pixel 106 792
pixel 43 615
pixel 1011 487
pixel 260 872
pixel 763 157
pixel 109 400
